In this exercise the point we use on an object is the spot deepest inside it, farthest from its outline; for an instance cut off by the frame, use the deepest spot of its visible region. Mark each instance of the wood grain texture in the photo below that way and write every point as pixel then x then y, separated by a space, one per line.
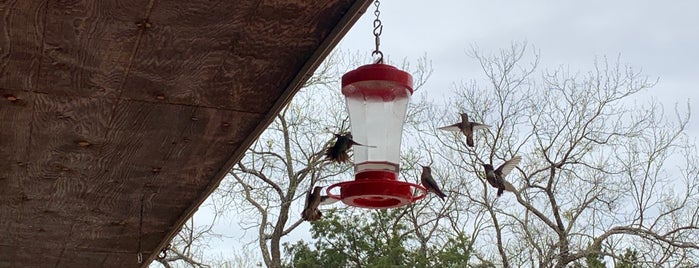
pixel 100 115
pixel 86 258
pixel 60 168
pixel 22 255
pixel 88 45
pixel 180 52
pixel 21 35
pixel 15 123
pixel 269 45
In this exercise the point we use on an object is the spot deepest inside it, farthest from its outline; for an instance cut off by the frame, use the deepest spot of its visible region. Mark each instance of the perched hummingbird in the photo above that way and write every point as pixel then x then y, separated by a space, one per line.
pixel 338 152
pixel 429 183
pixel 496 178
pixel 466 127
pixel 313 199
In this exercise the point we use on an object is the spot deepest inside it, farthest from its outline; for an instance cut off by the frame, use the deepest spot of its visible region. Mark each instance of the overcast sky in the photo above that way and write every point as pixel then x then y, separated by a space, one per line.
pixel 659 37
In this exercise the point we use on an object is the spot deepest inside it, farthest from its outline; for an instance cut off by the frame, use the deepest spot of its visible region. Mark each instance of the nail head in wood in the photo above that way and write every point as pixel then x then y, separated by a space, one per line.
pixel 84 143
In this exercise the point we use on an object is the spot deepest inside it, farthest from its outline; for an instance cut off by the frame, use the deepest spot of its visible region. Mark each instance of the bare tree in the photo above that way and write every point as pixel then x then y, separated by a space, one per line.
pixel 282 165
pixel 267 188
pixel 188 247
pixel 600 173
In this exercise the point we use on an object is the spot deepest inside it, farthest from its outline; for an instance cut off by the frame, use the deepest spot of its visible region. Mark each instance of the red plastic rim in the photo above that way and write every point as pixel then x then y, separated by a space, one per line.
pixel 377 193
pixel 378 72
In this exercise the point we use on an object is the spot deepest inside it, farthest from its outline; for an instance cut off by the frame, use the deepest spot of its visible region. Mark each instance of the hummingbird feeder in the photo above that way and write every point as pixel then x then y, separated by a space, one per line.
pixel 377 97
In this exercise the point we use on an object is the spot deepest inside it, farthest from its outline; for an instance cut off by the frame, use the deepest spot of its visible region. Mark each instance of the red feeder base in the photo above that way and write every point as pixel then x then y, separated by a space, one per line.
pixel 377 189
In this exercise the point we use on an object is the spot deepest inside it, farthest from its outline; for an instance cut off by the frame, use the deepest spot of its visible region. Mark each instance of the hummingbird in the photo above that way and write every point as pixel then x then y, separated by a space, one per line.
pixel 338 152
pixel 429 183
pixel 466 127
pixel 313 199
pixel 496 177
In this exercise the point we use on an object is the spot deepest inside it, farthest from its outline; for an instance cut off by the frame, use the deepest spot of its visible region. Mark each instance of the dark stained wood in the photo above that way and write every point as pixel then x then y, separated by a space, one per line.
pixel 15 115
pixel 121 112
pixel 21 34
pixel 186 43
pixel 21 255
pixel 88 46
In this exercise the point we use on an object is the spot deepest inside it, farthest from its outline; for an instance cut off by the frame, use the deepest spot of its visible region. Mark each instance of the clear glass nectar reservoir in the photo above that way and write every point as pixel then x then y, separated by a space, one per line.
pixel 377 99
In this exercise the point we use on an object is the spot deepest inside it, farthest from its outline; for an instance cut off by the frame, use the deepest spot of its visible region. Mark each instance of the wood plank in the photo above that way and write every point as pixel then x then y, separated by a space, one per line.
pixel 97 149
pixel 89 258
pixel 136 149
pixel 37 223
pixel 60 165
pixel 16 255
pixel 88 45
pixel 21 34
pixel 263 61
pixel 181 50
pixel 15 124
pixel 66 139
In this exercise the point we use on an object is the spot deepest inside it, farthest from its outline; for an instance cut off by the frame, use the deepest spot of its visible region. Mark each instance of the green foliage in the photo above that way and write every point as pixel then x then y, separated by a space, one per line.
pixel 629 259
pixel 594 261
pixel 378 238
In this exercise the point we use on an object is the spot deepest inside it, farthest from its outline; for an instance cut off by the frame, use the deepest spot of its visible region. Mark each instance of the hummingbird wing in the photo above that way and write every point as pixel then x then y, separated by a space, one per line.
pixel 508 186
pixel 311 213
pixel 431 186
pixel 454 127
pixel 327 200
pixel 477 126
pixel 507 167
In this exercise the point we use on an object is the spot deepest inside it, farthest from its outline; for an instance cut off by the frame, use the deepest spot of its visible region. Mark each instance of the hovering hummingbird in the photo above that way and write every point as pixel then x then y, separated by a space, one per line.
pixel 338 152
pixel 313 199
pixel 465 127
pixel 429 183
pixel 496 178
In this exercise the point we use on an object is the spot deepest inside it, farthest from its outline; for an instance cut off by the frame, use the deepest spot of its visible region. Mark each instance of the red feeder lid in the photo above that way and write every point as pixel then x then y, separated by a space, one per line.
pixel 378 72
pixel 377 190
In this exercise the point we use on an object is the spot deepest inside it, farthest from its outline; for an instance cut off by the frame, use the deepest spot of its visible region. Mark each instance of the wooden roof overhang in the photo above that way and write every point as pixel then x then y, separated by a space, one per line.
pixel 107 105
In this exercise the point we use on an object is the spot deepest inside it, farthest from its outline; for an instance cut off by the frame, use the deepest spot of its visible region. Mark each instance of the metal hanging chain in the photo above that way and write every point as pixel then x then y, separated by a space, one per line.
pixel 378 29
pixel 163 252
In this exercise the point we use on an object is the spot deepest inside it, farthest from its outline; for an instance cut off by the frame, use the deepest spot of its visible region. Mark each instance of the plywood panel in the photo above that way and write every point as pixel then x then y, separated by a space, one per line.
pixel 66 139
pixel 15 125
pixel 15 121
pixel 15 255
pixel 21 34
pixel 110 106
pixel 88 45
pixel 182 49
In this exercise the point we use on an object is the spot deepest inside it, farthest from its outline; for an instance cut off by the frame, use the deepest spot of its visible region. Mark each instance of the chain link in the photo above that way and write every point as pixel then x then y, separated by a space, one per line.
pixel 163 252
pixel 378 29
